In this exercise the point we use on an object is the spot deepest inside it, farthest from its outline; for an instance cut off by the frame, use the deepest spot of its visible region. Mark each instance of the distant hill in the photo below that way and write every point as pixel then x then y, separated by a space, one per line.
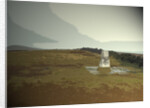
pixel 18 47
pixel 45 29
pixel 18 35
pixel 95 50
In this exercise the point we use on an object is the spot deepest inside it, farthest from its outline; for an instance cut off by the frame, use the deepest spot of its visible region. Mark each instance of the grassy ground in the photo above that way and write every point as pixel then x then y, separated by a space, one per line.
pixel 57 77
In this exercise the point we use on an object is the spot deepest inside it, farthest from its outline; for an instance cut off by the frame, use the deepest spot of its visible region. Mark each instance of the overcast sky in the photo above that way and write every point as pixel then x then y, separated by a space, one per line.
pixel 69 26
pixel 103 23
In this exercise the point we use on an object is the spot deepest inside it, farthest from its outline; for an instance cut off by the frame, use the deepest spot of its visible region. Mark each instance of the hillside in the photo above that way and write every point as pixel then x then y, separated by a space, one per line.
pixel 58 77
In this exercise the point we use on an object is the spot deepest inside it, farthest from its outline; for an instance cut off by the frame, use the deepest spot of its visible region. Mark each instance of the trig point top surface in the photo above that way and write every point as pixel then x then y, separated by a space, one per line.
pixel 105 54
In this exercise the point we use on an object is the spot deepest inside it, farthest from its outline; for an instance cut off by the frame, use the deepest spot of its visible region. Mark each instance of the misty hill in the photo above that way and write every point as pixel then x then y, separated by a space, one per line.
pixel 39 19
pixel 17 47
pixel 18 35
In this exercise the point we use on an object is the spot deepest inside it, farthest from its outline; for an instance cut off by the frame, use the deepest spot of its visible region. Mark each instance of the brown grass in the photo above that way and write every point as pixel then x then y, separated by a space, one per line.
pixel 51 94
pixel 104 71
pixel 59 77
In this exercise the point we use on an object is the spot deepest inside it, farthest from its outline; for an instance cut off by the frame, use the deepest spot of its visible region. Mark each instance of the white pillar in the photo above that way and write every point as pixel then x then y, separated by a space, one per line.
pixel 105 61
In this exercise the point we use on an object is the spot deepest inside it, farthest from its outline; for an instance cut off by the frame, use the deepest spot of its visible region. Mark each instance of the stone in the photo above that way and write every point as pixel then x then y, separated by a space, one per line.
pixel 105 61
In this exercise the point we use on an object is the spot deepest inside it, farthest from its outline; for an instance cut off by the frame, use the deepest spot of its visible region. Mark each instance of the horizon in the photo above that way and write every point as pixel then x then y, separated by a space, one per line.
pixel 133 52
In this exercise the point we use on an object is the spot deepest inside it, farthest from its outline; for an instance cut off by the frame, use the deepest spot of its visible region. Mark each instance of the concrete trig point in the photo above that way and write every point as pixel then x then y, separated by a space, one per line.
pixel 104 62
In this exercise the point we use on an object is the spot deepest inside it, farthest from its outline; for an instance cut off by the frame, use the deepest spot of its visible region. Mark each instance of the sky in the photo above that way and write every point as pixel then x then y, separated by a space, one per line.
pixel 103 23
pixel 69 26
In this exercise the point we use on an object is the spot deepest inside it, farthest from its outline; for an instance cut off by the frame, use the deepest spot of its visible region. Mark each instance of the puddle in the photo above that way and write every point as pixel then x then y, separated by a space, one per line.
pixel 92 69
pixel 114 70
pixel 119 70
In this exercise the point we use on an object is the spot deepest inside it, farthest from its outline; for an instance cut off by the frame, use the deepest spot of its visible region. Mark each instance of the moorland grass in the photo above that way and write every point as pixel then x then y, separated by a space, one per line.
pixel 42 75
